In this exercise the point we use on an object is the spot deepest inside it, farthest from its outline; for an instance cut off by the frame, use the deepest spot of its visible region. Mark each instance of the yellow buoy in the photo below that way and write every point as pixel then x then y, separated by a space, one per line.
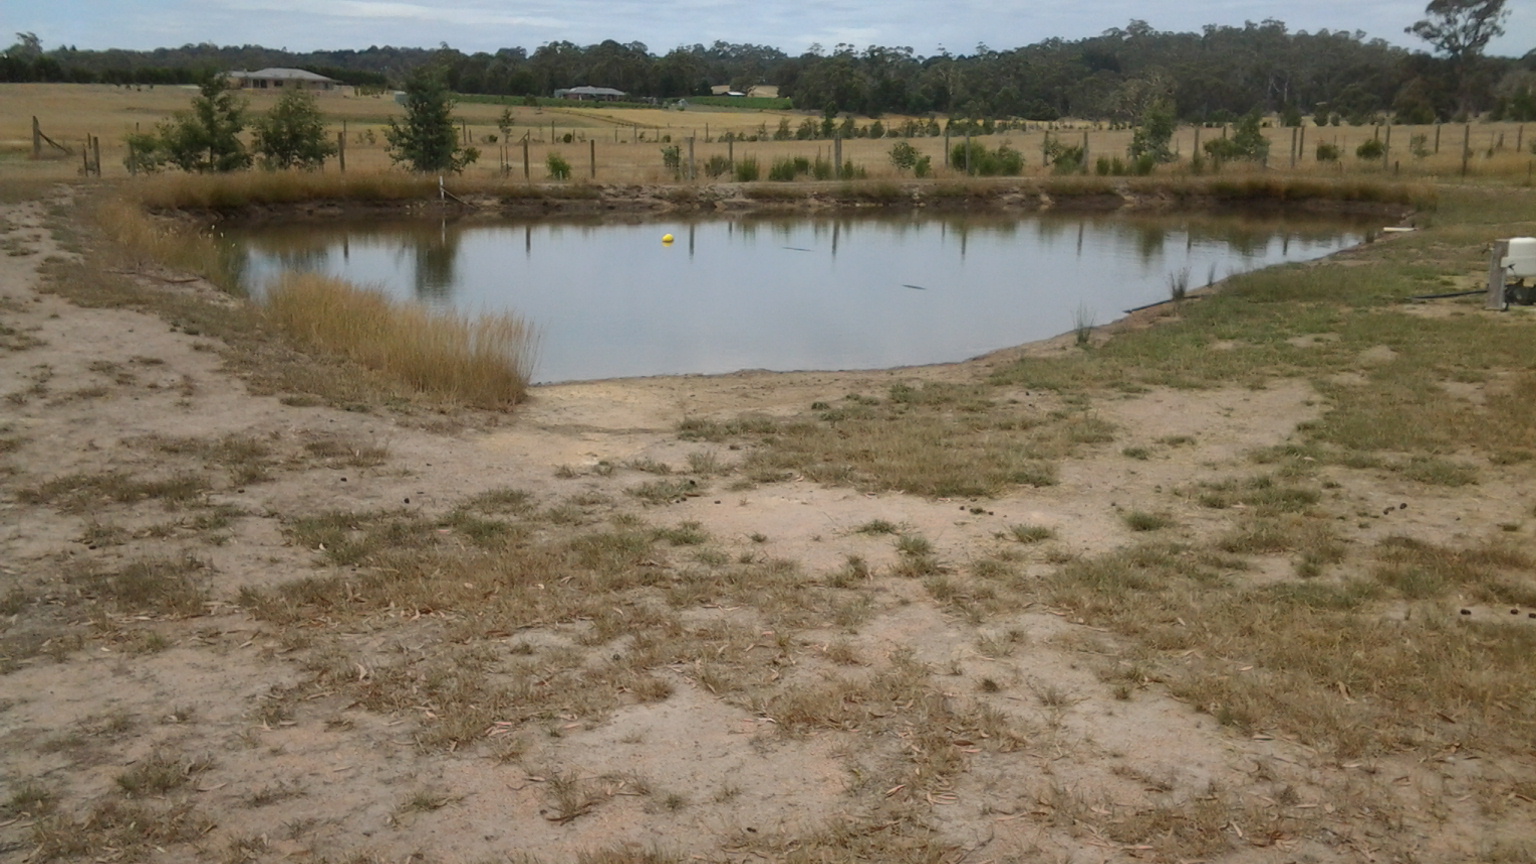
pixel 666 238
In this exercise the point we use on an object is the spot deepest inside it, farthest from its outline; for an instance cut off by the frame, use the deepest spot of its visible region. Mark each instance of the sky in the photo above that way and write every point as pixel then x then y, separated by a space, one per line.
pixel 927 26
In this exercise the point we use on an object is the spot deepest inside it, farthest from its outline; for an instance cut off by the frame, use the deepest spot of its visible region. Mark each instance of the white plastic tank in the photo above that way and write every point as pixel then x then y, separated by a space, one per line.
pixel 1520 260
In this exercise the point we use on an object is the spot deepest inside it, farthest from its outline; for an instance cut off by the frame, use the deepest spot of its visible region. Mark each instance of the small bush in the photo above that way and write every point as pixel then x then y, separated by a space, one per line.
pixel 747 170
pixel 559 169
pixel 783 170
pixel 1327 152
pixel 1004 161
pixel 717 166
pixel 1371 150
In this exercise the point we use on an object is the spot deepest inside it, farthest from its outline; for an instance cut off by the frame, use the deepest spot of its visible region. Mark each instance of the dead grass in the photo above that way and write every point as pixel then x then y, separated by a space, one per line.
pixel 1317 659
pixel 939 440
pixel 485 362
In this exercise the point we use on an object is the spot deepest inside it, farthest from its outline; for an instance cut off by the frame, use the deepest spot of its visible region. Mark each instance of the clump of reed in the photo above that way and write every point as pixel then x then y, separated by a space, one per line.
pixel 247 188
pixel 153 241
pixel 485 362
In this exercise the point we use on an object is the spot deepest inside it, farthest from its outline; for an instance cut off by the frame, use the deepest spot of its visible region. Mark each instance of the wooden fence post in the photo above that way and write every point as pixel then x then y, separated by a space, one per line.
pixel 96 152
pixel 1386 150
pixel 1466 147
pixel 692 172
pixel 1301 147
pixel 341 151
pixel 525 155
pixel 592 154
pixel 1495 297
pixel 837 154
pixel 37 140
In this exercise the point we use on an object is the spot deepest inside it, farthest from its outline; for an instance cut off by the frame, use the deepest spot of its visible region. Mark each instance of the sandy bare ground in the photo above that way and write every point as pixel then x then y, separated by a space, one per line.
pixel 99 691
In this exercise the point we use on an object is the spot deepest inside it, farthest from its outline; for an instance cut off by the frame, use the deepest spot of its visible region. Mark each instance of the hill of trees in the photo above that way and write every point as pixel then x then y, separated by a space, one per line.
pixel 1213 75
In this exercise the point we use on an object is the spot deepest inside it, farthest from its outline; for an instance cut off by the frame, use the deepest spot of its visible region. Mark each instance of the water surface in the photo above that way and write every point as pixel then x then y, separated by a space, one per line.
pixel 611 300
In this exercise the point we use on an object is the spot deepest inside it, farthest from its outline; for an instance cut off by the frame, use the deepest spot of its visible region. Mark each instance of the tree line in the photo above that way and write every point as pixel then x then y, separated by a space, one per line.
pixel 1215 75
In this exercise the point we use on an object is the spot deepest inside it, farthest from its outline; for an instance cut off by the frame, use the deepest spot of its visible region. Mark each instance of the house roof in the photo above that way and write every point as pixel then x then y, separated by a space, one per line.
pixel 279 73
pixel 593 91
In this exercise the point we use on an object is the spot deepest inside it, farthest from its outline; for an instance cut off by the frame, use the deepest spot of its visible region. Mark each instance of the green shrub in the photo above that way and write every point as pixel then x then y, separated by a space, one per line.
pixel 747 170
pixel 672 160
pixel 1327 152
pixel 1247 142
pixel 1004 161
pixel 1371 150
pixel 1063 158
pixel 783 170
pixel 717 166
pixel 559 169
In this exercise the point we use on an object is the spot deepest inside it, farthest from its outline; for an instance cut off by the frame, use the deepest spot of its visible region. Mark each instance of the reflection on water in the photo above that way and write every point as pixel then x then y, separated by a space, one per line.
pixel 786 292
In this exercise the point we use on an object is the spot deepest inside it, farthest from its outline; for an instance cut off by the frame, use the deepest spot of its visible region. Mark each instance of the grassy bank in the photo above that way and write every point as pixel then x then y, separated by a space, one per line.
pixel 1326 669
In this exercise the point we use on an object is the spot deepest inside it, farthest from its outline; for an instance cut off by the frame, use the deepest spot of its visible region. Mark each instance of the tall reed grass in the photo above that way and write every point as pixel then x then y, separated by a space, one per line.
pixel 484 362
pixel 152 241
pixel 247 188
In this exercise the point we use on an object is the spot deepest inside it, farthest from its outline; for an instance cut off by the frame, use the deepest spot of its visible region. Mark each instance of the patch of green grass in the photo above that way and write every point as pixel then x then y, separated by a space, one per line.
pixel 501 501
pixel 29 798
pixel 1142 520
pixel 666 491
pixel 165 586
pixel 689 533
pixel 1028 534
pixel 1266 494
pixel 78 493
pixel 1433 471
pixel 1490 573
pixel 158 774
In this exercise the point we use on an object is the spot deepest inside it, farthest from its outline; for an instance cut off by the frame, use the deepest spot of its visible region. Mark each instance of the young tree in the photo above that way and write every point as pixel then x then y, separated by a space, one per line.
pixel 1247 141
pixel 1155 134
pixel 292 134
pixel 428 140
pixel 204 139
pixel 1461 29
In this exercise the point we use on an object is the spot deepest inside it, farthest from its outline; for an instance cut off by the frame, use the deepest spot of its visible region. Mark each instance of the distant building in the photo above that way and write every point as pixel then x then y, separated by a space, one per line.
pixel 281 79
pixel 591 94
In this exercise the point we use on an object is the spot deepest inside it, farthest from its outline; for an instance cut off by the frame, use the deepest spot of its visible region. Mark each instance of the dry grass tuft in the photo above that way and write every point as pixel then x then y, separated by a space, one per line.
pixel 485 362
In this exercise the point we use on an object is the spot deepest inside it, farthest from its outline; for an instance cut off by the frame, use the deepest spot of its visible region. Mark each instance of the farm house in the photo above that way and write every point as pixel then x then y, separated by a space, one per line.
pixel 281 79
